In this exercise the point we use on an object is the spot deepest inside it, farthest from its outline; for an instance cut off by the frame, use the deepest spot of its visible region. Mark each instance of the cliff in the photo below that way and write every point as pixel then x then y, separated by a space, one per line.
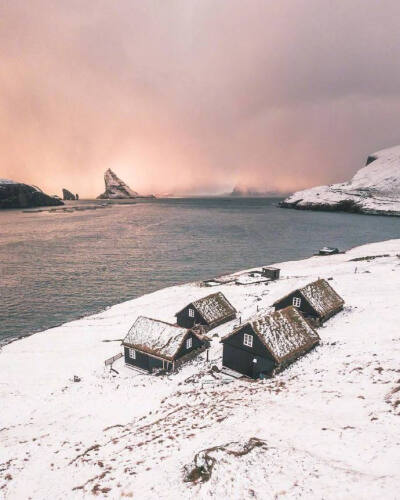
pixel 374 189
pixel 18 195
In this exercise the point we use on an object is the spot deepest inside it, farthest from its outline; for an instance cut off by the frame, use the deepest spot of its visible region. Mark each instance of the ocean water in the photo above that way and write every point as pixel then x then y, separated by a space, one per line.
pixel 58 267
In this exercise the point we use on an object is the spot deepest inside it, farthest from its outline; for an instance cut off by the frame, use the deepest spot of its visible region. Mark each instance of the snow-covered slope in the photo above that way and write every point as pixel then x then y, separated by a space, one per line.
pixel 116 188
pixel 375 189
pixel 327 427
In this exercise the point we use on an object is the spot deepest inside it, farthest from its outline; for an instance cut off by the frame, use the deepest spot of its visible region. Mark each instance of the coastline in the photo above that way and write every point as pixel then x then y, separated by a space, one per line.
pixel 50 421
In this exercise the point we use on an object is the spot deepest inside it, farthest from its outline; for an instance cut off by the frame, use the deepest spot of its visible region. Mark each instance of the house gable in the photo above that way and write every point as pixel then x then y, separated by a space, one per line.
pixel 186 320
pixel 196 343
pixel 236 339
pixel 305 307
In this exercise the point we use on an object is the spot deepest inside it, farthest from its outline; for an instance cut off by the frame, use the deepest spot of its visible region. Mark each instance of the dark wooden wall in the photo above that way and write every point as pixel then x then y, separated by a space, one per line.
pixel 196 344
pixel 143 361
pixel 305 307
pixel 183 319
pixel 239 357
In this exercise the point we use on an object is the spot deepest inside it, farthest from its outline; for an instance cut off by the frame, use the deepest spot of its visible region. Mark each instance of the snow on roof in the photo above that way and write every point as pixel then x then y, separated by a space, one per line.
pixel 322 297
pixel 155 337
pixel 214 307
pixel 285 333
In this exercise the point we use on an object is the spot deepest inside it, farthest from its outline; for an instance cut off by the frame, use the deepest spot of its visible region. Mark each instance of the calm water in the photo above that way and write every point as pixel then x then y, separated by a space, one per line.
pixel 58 267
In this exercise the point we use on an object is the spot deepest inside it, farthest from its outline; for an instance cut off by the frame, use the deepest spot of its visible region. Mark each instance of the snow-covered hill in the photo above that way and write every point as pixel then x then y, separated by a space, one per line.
pixel 375 189
pixel 327 427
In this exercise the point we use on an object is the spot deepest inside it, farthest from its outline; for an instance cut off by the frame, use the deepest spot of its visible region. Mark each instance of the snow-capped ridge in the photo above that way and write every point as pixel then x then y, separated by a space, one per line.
pixel 374 189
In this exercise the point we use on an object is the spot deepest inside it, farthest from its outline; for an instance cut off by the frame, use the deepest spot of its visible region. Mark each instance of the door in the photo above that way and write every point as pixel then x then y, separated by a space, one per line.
pixel 238 359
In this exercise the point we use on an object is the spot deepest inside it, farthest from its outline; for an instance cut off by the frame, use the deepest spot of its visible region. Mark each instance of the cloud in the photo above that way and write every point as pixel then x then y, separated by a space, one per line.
pixel 195 95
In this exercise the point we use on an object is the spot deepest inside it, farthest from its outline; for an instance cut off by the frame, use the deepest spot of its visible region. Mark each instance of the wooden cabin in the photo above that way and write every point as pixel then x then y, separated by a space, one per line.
pixel 269 343
pixel 272 273
pixel 152 344
pixel 317 301
pixel 209 311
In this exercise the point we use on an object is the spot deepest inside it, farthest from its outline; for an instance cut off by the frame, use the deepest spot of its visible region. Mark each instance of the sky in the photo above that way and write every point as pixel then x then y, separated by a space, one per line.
pixel 196 96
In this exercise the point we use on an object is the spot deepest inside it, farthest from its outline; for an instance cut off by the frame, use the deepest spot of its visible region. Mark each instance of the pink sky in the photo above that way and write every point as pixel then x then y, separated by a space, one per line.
pixel 195 96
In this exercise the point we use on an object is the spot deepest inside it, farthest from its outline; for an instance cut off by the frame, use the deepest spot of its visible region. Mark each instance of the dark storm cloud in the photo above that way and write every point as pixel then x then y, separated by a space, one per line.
pixel 196 95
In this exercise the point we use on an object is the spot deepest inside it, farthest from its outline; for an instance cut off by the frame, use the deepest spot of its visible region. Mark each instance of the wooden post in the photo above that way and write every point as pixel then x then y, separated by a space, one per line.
pixel 207 354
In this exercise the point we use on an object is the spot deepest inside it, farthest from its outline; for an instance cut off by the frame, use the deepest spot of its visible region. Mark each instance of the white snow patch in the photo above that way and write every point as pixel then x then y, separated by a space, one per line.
pixel 330 422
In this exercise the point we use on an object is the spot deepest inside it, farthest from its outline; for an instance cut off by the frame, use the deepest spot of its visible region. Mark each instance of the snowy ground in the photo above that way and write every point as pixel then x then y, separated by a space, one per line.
pixel 328 425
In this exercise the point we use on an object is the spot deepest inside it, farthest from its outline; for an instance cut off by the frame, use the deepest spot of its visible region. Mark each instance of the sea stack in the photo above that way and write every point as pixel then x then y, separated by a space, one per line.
pixel 67 195
pixel 116 188
pixel 18 195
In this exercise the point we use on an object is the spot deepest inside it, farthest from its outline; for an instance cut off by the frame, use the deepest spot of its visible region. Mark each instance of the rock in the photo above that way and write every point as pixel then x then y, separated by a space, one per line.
pixel 201 468
pixel 116 188
pixel 18 195
pixel 374 189
pixel 67 195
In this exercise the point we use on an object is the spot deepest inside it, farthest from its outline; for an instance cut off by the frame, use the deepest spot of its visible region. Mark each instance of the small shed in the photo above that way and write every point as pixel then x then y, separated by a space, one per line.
pixel 153 344
pixel 267 344
pixel 317 301
pixel 272 273
pixel 210 311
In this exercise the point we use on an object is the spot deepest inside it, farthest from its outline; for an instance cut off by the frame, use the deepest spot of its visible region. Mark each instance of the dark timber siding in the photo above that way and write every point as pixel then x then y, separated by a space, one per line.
pixel 196 344
pixel 240 357
pixel 144 361
pixel 305 307
pixel 183 319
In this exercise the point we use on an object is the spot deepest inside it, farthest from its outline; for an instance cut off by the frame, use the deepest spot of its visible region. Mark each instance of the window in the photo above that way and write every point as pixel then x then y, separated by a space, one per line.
pixel 296 302
pixel 191 313
pixel 132 353
pixel 188 343
pixel 248 340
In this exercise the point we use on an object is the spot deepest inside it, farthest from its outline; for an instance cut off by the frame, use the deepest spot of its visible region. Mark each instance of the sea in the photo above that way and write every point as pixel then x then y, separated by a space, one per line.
pixel 59 266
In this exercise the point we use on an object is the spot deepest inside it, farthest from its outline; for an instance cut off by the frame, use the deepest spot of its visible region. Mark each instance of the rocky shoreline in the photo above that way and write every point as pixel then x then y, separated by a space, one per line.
pixel 347 206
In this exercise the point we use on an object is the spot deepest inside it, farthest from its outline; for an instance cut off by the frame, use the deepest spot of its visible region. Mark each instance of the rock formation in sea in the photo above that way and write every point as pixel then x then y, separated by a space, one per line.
pixel 18 195
pixel 67 195
pixel 116 188
pixel 374 189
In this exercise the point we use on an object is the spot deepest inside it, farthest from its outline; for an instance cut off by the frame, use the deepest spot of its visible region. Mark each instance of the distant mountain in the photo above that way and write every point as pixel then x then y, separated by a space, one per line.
pixel 116 188
pixel 18 195
pixel 244 191
pixel 374 189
